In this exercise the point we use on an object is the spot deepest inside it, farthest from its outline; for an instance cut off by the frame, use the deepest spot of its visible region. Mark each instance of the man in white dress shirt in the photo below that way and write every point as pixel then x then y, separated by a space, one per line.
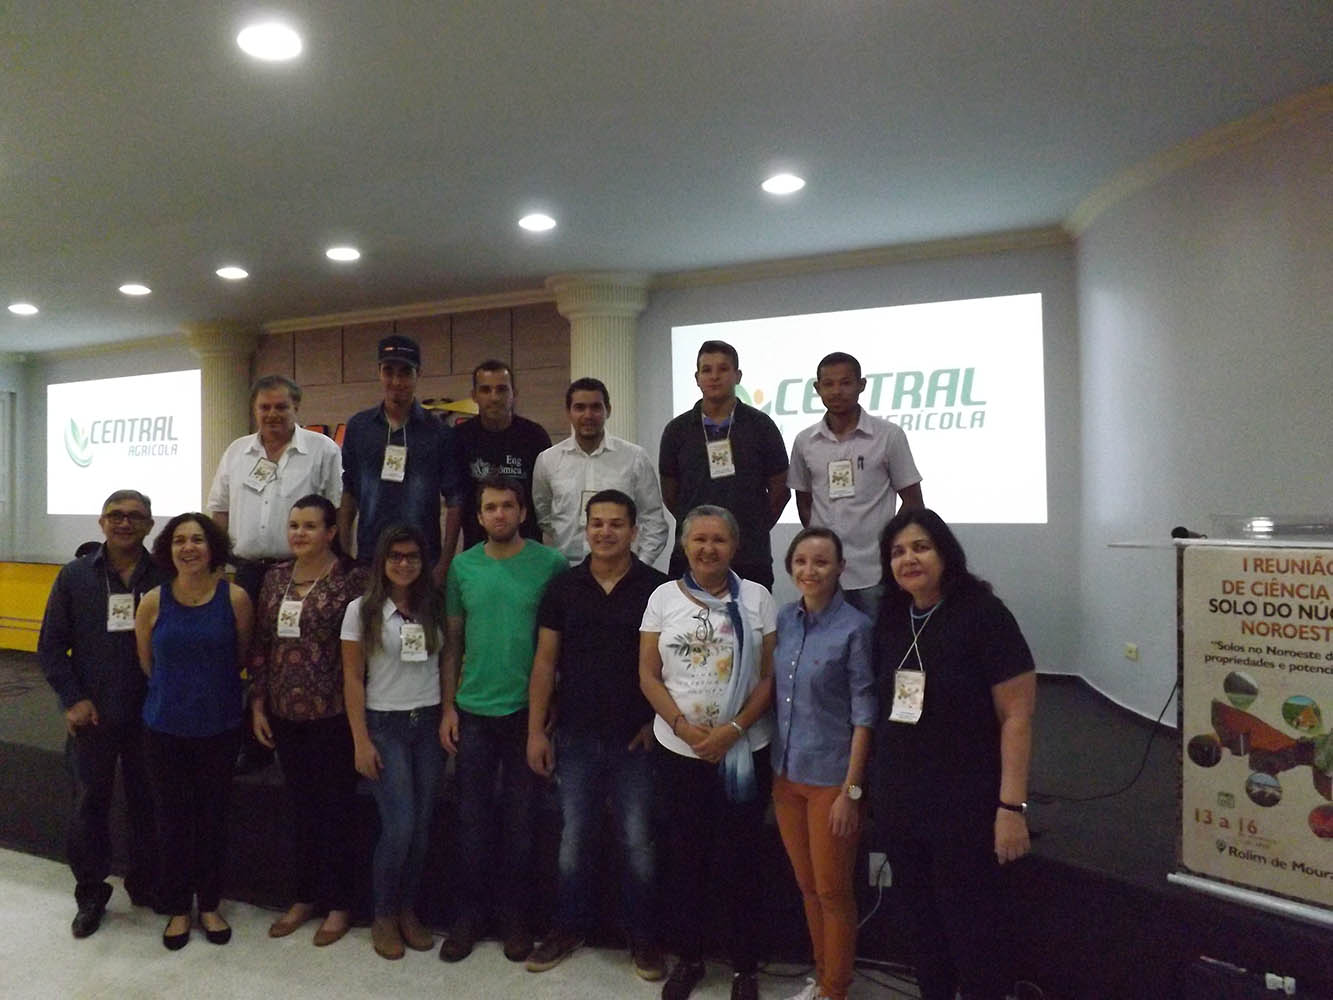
pixel 261 474
pixel 566 475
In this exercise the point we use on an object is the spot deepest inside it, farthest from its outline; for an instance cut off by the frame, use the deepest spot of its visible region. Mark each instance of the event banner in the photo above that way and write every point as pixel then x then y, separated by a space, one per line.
pixel 1257 677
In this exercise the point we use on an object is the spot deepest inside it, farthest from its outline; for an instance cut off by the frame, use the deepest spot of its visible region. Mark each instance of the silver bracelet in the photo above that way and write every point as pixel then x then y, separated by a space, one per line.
pixel 737 726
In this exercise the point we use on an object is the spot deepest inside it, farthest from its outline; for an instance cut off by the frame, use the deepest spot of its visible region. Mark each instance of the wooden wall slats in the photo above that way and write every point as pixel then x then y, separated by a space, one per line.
pixel 319 358
pixel 275 356
pixel 359 350
pixel 541 338
pixel 478 336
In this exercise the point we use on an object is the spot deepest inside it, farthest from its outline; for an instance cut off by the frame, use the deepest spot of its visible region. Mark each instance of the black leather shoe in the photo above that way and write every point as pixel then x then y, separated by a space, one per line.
pixel 175 942
pixel 682 981
pixel 89 917
pixel 744 986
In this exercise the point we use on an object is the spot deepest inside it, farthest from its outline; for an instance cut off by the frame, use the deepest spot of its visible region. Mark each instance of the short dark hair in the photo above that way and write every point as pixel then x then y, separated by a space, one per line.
pixel 614 496
pixel 219 545
pixel 837 358
pixel 493 365
pixel 717 347
pixel 506 483
pixel 587 384
pixel 266 383
pixel 120 495
pixel 326 507
pixel 815 532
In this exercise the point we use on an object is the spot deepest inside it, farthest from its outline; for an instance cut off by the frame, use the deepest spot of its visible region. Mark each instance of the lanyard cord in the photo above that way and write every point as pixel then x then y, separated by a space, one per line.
pixel 916 635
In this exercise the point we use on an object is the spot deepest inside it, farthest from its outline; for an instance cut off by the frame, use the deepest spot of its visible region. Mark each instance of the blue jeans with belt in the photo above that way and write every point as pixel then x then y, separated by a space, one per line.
pixel 411 761
pixel 592 769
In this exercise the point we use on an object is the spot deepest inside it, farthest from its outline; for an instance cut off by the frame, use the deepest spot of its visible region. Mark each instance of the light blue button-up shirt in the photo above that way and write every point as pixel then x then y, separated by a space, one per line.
pixel 825 687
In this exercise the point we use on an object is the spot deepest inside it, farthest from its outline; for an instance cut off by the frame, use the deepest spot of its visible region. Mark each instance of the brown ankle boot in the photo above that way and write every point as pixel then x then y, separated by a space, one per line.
pixel 415 936
pixel 385 937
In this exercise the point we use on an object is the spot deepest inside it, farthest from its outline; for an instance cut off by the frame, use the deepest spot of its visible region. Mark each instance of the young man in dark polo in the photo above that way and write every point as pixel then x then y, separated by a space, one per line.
pixel 588 636
pixel 725 453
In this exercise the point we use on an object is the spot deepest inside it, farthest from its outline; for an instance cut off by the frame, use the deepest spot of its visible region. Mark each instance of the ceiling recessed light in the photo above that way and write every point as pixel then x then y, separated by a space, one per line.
pixel 270 41
pixel 135 289
pixel 342 253
pixel 23 308
pixel 783 184
pixel 537 222
pixel 232 273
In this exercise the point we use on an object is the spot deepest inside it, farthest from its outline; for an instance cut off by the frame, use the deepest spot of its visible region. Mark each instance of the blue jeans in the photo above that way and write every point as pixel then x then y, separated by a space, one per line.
pixel 866 600
pixel 412 760
pixel 487 744
pixel 589 769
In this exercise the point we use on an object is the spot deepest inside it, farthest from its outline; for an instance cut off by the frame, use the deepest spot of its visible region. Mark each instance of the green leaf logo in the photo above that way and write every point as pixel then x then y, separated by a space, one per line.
pixel 76 445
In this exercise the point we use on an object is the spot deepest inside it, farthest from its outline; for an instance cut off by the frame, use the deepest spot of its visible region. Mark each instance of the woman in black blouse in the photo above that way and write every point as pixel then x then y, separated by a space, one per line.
pixel 957 691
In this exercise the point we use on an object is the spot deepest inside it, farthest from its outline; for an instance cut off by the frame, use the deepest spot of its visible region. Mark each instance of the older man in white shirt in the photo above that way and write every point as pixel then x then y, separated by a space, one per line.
pixel 261 474
pixel 566 475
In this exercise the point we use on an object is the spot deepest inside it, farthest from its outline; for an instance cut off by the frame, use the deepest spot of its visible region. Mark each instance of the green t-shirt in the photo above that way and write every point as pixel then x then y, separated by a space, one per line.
pixel 498 600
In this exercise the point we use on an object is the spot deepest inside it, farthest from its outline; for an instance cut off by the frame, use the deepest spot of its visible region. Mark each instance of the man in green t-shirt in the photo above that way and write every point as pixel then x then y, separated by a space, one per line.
pixel 492 594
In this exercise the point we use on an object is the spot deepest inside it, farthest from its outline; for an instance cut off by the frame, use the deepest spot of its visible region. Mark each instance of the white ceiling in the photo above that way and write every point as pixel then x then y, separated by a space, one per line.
pixel 138 143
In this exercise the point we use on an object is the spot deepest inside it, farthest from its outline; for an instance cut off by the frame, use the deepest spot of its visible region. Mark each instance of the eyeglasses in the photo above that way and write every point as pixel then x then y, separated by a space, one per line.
pixel 133 517
pixel 404 558
pixel 703 631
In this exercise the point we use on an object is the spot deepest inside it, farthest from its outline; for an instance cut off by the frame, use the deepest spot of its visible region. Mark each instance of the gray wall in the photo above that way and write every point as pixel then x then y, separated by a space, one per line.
pixel 1033 567
pixel 1204 311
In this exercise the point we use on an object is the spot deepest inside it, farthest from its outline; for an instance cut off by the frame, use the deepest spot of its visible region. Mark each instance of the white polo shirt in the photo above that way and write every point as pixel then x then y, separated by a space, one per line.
pixel 565 477
pixel 881 466
pixel 257 519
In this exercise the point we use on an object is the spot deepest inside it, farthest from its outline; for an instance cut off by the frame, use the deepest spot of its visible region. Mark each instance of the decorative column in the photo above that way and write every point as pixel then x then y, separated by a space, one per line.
pixel 224 353
pixel 602 309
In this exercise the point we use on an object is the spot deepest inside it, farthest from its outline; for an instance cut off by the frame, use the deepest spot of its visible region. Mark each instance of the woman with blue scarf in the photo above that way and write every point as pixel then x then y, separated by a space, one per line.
pixel 706 666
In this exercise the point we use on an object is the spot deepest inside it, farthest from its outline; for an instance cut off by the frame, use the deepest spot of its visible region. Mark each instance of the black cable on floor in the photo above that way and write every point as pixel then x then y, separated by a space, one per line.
pixel 1045 797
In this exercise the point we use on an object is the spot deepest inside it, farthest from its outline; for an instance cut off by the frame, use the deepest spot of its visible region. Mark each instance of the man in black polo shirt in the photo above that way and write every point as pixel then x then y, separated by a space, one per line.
pixel 725 453
pixel 588 635
pixel 87 653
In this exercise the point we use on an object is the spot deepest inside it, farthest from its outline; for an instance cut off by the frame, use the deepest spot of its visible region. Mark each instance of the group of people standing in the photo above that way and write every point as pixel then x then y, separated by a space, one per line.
pixel 575 660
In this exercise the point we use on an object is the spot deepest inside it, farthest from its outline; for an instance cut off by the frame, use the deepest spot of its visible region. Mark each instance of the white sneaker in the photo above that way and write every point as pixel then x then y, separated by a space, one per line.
pixel 811 991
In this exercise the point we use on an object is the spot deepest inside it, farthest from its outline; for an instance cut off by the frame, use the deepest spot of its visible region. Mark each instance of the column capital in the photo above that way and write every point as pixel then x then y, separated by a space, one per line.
pixel 599 293
pixel 221 339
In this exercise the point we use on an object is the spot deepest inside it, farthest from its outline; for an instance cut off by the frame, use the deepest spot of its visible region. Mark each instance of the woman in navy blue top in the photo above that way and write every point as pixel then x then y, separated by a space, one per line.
pixel 826 707
pixel 191 633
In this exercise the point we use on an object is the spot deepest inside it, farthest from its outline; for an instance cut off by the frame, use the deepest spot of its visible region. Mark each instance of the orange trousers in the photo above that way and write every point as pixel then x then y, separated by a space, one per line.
pixel 823 865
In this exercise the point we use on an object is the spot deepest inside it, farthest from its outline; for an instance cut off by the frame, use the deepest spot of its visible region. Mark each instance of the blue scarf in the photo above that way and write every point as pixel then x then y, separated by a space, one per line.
pixel 737 767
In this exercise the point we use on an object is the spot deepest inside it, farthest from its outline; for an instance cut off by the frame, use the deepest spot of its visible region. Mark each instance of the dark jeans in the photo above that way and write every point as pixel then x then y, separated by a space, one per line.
pixel 590 769
pixel 191 781
pixel 92 756
pixel 760 573
pixel 715 848
pixel 412 761
pixel 950 885
pixel 318 768
pixel 487 745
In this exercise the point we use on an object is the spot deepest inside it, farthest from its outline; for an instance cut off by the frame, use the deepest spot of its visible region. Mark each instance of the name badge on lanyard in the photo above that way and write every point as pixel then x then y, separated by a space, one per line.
pixel 583 506
pixel 841 479
pixel 413 648
pixel 395 463
pixel 909 695
pixel 263 473
pixel 120 612
pixel 721 463
pixel 289 620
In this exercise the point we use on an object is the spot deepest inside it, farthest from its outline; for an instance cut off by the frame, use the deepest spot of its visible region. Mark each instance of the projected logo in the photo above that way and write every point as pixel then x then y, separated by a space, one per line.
pixel 940 399
pixel 76 445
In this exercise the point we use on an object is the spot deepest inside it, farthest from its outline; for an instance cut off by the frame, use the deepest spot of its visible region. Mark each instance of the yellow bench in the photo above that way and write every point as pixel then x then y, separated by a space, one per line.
pixel 23 591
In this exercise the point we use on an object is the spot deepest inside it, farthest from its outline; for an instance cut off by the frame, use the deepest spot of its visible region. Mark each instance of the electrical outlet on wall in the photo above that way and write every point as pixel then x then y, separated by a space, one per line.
pixel 1132 651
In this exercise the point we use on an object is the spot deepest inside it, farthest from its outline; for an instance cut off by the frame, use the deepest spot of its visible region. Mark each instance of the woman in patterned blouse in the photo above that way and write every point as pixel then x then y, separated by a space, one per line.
pixel 297 704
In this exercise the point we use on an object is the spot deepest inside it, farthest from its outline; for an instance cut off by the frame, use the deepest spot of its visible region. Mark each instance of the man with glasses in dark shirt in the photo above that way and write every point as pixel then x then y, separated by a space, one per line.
pixel 87 653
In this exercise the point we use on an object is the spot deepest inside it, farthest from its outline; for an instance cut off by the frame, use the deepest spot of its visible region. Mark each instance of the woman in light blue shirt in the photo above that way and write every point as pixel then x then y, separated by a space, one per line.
pixel 826 706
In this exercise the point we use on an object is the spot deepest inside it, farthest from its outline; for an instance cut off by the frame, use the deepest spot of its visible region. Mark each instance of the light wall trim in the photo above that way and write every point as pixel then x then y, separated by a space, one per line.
pixel 162 341
pixel 963 246
pixel 414 310
pixel 1233 135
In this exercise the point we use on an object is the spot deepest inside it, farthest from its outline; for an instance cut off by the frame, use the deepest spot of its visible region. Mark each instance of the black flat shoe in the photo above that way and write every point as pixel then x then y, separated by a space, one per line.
pixel 175 942
pixel 220 936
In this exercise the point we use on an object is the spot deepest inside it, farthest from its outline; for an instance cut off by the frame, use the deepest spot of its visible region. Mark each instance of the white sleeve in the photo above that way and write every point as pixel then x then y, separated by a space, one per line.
pixel 330 485
pixel 541 491
pixel 351 630
pixel 798 472
pixel 652 612
pixel 219 493
pixel 652 520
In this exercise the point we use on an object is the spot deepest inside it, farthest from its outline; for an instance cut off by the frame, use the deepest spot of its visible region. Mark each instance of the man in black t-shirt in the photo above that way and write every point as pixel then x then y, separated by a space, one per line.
pixel 725 453
pixel 588 635
pixel 497 442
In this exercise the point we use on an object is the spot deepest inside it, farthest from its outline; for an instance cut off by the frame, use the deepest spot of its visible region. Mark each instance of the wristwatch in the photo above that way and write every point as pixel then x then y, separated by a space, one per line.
pixel 1021 808
pixel 853 792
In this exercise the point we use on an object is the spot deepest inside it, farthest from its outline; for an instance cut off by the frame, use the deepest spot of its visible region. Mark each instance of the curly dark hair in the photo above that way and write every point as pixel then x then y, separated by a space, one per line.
pixel 219 545
pixel 956 578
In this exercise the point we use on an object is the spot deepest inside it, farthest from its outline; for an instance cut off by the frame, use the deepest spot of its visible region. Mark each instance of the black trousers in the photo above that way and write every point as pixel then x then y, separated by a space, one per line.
pixel 714 848
pixel 191 781
pixel 320 775
pixel 950 888
pixel 92 757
